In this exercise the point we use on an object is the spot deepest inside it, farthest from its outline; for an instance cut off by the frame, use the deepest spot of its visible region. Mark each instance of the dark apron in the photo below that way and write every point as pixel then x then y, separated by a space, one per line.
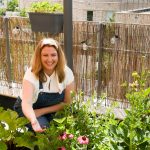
pixel 44 100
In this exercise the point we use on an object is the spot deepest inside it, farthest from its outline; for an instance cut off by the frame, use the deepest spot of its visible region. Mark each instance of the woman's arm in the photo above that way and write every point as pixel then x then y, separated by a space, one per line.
pixel 27 95
pixel 55 108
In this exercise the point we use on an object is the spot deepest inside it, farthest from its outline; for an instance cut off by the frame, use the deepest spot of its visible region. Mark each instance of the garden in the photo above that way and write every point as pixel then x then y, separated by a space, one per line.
pixel 111 74
pixel 78 127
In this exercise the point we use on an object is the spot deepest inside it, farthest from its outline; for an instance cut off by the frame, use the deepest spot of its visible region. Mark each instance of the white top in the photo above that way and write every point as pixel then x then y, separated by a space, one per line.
pixel 54 87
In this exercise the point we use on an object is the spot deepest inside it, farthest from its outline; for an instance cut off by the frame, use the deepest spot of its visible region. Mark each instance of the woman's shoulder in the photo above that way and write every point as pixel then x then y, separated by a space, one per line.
pixel 69 76
pixel 68 70
pixel 29 72
pixel 29 75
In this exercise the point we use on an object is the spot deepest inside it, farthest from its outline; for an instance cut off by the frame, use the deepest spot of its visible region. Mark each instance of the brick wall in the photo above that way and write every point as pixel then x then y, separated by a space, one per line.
pixel 101 8
pixel 133 18
pixel 27 3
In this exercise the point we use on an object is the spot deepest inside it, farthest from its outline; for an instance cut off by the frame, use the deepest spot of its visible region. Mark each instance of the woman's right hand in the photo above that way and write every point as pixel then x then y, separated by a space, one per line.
pixel 36 127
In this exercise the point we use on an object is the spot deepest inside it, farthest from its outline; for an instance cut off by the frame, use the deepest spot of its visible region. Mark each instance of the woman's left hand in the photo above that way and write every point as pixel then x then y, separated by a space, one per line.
pixel 36 126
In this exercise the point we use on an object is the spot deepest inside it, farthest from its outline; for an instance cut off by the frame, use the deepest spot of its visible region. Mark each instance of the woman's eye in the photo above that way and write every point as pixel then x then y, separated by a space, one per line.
pixel 45 55
pixel 53 55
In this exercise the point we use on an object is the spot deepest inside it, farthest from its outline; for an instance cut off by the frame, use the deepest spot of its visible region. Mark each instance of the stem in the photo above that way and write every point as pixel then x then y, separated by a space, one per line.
pixel 131 137
pixel 131 129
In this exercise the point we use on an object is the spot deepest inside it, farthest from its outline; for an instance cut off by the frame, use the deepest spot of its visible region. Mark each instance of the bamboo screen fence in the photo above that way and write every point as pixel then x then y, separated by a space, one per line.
pixel 104 55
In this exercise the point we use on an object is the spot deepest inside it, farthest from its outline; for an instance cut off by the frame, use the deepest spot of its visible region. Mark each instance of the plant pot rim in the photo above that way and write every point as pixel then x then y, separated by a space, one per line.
pixel 46 13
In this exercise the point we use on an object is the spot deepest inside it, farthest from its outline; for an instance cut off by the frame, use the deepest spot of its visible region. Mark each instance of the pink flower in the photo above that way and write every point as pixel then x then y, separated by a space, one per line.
pixel 63 136
pixel 70 136
pixel 61 148
pixel 83 140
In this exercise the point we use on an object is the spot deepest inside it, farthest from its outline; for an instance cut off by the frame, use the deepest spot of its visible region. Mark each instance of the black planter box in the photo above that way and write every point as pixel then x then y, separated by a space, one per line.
pixel 46 22
pixel 7 101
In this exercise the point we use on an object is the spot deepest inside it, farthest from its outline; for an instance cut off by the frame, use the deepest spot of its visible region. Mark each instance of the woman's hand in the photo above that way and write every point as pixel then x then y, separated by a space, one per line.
pixel 36 127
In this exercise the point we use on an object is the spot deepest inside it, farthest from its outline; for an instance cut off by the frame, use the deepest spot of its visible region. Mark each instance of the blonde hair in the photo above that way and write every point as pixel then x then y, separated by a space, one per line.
pixel 36 63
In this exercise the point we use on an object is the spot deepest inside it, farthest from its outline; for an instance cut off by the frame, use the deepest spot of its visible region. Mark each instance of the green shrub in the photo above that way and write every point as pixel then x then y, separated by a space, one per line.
pixel 133 132
pixel 45 7
pixel 23 12
pixel 12 5
pixel 2 11
pixel 80 127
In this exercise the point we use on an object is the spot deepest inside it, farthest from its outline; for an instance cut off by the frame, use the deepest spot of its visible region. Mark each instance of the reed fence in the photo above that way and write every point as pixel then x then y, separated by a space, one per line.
pixel 104 55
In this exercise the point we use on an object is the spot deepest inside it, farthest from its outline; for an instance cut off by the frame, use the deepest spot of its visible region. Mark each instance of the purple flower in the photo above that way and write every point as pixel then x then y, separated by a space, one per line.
pixel 63 136
pixel 83 140
pixel 70 136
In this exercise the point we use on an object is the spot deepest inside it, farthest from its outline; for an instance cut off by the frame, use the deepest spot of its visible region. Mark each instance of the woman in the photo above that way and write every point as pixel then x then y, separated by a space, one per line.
pixel 46 85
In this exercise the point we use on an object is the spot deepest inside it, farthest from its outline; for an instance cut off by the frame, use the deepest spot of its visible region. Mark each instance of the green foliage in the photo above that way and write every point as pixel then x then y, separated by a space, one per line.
pixel 26 139
pixel 46 7
pixel 102 131
pixel 12 5
pixel 78 120
pixel 23 12
pixel 10 127
pixel 2 11
pixel 134 131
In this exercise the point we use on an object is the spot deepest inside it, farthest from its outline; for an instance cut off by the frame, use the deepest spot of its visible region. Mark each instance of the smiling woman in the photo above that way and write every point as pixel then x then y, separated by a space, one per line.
pixel 46 85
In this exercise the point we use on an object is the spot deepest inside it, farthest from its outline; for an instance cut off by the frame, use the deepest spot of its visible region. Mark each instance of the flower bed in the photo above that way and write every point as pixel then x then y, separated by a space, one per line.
pixel 77 128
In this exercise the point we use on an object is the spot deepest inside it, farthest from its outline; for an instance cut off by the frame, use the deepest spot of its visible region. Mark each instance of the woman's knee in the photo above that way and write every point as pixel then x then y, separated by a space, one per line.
pixel 43 121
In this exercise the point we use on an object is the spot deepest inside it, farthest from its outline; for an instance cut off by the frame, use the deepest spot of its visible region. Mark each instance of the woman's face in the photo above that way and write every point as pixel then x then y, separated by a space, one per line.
pixel 49 59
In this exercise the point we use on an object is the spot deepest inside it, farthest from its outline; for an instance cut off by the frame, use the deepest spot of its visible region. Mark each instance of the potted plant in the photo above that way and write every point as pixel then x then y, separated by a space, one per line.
pixel 12 8
pixel 46 17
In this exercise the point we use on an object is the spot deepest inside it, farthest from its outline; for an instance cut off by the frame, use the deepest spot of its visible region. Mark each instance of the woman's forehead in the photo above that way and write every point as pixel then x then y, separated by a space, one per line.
pixel 49 49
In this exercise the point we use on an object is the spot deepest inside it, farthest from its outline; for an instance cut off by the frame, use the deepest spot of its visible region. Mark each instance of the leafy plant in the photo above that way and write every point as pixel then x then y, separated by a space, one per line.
pixel 12 5
pixel 23 12
pixel 11 127
pixel 2 11
pixel 134 131
pixel 77 127
pixel 46 7
pixel 80 127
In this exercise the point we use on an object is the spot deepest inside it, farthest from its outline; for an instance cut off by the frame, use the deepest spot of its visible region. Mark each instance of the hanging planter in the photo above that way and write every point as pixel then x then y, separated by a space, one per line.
pixel 46 17
pixel 46 22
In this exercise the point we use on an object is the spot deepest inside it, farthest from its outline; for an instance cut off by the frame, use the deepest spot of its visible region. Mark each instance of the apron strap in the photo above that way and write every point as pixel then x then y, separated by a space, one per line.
pixel 40 85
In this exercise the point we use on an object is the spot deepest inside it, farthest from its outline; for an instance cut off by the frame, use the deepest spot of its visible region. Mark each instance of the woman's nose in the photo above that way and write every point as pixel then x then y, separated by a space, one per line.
pixel 49 58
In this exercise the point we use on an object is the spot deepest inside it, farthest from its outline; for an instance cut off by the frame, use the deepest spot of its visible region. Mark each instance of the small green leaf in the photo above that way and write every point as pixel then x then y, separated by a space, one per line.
pixel 3 146
pixel 59 120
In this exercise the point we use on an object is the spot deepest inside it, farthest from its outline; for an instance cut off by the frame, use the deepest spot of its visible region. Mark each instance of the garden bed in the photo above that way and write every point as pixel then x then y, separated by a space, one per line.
pixel 79 126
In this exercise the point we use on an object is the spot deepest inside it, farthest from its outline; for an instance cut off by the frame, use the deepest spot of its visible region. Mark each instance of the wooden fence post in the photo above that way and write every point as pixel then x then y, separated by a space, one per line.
pixel 68 32
pixel 100 53
pixel 6 20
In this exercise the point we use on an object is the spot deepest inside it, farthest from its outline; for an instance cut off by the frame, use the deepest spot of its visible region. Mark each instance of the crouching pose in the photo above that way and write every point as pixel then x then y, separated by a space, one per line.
pixel 47 84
